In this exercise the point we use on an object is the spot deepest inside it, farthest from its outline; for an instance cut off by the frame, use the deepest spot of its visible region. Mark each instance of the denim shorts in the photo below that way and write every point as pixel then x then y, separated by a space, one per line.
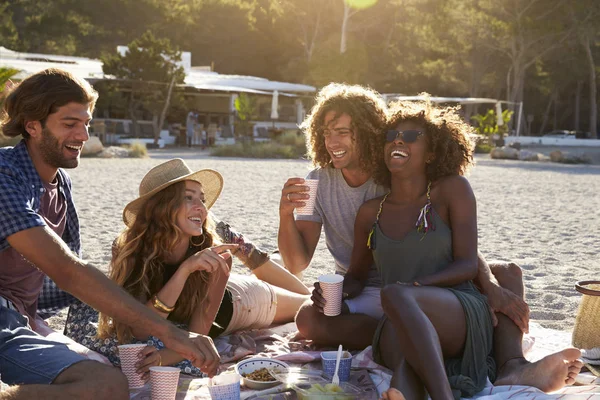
pixel 28 358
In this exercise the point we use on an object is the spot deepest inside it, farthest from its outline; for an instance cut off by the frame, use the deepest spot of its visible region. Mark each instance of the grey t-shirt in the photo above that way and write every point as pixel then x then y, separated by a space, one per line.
pixel 336 207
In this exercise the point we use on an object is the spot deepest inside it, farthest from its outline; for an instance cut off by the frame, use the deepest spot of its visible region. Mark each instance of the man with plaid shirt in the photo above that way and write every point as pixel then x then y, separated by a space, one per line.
pixel 39 237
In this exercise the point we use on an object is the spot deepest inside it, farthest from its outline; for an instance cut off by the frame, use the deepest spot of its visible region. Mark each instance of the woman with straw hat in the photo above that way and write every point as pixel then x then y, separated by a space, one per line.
pixel 169 257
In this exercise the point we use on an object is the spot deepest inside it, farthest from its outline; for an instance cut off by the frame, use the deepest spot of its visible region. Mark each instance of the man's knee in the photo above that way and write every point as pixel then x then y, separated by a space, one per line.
pixel 308 320
pixel 95 380
pixel 508 271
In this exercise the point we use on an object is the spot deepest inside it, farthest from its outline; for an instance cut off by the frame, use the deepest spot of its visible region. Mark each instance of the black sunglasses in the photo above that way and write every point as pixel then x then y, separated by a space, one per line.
pixel 408 136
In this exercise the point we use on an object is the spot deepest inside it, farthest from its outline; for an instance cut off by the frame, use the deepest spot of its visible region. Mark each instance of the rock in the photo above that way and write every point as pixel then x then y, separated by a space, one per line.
pixel 526 155
pixel 504 153
pixel 556 156
pixel 580 158
pixel 114 152
pixel 570 158
pixel 92 146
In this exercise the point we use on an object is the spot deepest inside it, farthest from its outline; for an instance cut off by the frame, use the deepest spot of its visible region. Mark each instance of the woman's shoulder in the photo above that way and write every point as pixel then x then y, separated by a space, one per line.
pixel 452 183
pixel 452 188
pixel 370 207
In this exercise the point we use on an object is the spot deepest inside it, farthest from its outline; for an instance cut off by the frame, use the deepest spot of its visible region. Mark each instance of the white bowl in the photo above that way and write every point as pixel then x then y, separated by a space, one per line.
pixel 253 364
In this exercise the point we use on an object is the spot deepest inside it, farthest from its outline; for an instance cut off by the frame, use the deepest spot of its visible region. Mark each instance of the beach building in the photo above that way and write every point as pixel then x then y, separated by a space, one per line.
pixel 280 105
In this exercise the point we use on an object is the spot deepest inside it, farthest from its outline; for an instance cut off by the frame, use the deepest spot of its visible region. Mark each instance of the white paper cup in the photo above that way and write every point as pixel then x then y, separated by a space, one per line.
pixel 309 207
pixel 332 286
pixel 129 355
pixel 225 387
pixel 163 381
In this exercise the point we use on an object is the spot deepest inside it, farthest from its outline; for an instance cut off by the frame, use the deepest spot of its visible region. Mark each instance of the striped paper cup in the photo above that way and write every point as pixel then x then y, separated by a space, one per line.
pixel 309 207
pixel 129 355
pixel 163 381
pixel 332 286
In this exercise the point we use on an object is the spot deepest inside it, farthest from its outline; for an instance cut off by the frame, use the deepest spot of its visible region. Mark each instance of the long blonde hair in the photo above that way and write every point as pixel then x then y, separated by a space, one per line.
pixel 138 252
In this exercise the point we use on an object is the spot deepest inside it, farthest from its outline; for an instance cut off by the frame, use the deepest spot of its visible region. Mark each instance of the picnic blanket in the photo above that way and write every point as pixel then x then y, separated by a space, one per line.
pixel 281 343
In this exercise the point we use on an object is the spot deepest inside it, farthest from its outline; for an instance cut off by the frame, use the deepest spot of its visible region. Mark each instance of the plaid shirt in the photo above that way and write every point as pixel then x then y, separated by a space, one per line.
pixel 21 190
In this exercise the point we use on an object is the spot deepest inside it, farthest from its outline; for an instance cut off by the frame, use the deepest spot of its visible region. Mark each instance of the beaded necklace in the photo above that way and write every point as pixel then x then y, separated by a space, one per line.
pixel 424 223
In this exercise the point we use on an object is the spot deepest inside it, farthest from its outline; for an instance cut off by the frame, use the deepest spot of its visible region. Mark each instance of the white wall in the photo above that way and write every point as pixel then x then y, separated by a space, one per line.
pixel 547 141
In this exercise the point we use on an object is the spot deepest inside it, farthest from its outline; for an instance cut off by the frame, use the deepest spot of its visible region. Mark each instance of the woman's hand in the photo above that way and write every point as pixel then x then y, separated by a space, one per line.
pixel 149 357
pixel 210 259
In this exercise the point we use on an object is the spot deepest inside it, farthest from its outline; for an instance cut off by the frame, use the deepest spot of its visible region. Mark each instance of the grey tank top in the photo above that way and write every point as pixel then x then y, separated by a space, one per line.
pixel 417 254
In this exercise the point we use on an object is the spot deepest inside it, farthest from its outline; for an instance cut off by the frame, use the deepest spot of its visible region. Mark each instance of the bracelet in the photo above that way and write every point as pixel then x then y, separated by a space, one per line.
pixel 160 306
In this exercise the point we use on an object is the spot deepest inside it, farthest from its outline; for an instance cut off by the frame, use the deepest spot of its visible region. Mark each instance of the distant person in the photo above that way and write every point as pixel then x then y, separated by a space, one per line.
pixel 39 235
pixel 344 138
pixel 190 127
pixel 170 258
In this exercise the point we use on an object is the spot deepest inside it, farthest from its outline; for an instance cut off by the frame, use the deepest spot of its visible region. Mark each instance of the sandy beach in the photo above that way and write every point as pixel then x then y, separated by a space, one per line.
pixel 542 216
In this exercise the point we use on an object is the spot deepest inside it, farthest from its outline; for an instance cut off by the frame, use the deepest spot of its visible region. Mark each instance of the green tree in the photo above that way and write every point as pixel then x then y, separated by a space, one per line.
pixel 149 68
pixel 245 110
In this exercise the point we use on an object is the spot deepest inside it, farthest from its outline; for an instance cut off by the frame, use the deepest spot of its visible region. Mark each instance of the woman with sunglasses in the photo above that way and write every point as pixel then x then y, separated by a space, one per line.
pixel 422 236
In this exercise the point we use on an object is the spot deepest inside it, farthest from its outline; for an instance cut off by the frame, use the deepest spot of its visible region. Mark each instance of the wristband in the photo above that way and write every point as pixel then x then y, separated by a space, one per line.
pixel 160 306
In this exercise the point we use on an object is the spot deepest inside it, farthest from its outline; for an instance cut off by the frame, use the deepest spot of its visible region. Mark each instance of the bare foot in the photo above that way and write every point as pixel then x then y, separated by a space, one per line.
pixel 550 373
pixel 392 394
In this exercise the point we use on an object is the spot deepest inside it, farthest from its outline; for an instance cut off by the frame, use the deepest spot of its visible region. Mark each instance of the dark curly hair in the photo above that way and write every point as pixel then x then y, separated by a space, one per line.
pixel 367 110
pixel 446 132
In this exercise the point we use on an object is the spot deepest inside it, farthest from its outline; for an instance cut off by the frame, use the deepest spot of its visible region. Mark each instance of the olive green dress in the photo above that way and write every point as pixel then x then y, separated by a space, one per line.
pixel 418 255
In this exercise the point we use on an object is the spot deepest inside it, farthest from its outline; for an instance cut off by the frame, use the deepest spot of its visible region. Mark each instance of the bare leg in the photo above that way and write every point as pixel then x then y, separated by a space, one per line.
pixel 276 275
pixel 425 335
pixel 353 331
pixel 288 304
pixel 548 374
pixel 404 380
pixel 84 380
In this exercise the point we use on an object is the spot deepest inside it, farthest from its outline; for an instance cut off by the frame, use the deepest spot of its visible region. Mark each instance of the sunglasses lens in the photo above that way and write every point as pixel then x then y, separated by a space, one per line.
pixel 391 135
pixel 410 136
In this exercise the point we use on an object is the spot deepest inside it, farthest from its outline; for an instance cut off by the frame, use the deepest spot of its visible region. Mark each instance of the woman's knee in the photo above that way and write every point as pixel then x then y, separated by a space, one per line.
pixel 393 296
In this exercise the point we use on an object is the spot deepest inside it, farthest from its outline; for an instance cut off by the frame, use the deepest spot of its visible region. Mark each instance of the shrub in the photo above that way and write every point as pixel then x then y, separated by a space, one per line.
pixel 138 150
pixel 259 150
pixel 483 148
pixel 291 138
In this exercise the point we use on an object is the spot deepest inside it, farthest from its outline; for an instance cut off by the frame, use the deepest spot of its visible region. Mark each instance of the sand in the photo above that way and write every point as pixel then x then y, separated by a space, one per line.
pixel 542 216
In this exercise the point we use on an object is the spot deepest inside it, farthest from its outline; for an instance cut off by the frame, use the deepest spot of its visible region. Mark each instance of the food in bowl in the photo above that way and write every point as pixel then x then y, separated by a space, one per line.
pixel 257 373
pixel 260 375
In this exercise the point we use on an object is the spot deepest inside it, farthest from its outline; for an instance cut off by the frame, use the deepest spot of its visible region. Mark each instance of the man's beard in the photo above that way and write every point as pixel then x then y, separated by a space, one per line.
pixel 52 151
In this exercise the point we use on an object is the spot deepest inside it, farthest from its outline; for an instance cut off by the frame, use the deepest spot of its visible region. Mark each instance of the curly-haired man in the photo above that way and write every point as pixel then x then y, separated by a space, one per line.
pixel 344 139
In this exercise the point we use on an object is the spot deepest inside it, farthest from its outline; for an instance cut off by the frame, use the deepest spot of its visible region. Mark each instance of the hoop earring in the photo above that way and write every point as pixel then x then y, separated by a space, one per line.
pixel 197 244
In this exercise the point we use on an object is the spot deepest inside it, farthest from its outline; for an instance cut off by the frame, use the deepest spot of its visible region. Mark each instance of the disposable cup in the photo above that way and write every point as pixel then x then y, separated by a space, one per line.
pixel 309 207
pixel 328 360
pixel 129 355
pixel 225 387
pixel 163 382
pixel 332 286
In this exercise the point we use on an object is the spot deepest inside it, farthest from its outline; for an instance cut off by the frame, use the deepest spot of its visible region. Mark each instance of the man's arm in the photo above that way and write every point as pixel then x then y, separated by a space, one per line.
pixel 297 240
pixel 500 299
pixel 42 247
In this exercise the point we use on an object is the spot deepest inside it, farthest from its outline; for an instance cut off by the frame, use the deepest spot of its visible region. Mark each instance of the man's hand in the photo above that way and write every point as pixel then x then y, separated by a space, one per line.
pixel 506 302
pixel 293 195
pixel 318 299
pixel 199 349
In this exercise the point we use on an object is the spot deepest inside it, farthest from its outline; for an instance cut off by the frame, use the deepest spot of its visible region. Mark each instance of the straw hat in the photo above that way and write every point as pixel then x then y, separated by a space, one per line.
pixel 168 173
